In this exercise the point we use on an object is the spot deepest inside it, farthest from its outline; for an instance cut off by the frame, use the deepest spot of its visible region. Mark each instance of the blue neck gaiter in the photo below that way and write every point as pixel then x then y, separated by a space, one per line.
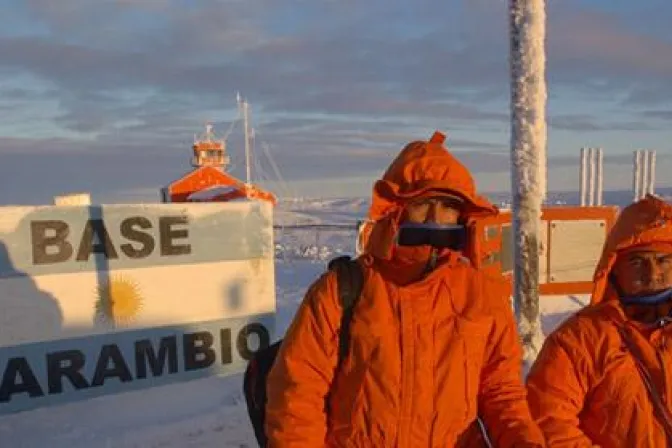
pixel 651 299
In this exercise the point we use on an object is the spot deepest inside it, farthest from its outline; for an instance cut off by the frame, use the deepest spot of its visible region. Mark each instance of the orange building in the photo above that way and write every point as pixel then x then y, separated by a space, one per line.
pixel 209 181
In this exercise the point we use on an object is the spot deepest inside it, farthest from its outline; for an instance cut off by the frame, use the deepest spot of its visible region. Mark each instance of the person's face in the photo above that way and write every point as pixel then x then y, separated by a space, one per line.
pixel 439 210
pixel 643 272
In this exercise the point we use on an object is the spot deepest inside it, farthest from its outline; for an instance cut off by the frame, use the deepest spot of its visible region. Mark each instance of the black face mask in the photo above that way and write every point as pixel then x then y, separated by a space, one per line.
pixel 440 236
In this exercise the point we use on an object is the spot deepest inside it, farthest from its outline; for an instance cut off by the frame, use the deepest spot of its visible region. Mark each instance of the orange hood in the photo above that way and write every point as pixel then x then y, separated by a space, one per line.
pixel 422 168
pixel 645 223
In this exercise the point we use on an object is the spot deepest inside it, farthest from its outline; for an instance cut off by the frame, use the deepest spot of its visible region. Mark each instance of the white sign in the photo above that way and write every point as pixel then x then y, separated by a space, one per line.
pixel 100 299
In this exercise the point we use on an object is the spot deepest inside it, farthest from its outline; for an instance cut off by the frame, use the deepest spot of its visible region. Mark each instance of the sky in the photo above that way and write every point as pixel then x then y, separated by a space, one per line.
pixel 105 97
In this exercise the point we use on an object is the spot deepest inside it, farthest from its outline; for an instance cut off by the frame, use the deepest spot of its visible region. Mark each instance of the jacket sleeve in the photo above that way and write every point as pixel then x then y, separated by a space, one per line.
pixel 502 399
pixel 556 393
pixel 303 370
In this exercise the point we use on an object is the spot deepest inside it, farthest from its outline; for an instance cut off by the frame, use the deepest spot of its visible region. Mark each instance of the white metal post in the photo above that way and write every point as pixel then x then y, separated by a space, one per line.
pixel 652 173
pixel 600 178
pixel 636 174
pixel 591 176
pixel 645 173
pixel 582 177
pixel 248 174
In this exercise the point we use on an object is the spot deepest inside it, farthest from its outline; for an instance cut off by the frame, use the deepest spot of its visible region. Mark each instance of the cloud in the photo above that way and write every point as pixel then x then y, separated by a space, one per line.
pixel 325 79
pixel 596 44
pixel 38 169
pixel 587 123
pixel 368 61
pixel 651 94
pixel 658 114
pixel 206 51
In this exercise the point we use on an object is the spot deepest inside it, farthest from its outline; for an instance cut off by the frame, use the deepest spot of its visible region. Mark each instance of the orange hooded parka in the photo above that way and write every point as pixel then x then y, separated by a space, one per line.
pixel 584 388
pixel 428 353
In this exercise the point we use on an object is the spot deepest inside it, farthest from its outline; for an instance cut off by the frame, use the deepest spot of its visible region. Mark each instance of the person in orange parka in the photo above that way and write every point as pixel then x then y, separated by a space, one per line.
pixel 433 341
pixel 604 377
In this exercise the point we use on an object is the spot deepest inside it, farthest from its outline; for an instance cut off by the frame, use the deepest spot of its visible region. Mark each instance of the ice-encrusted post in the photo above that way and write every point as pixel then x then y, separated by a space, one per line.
pixel 527 26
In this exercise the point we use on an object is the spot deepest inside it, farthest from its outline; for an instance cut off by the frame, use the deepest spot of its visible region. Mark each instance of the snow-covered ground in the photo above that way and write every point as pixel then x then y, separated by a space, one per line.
pixel 211 412
pixel 202 413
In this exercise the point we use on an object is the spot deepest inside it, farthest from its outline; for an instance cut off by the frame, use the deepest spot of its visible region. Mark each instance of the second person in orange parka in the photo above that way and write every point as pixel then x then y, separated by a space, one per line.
pixel 603 378
pixel 433 340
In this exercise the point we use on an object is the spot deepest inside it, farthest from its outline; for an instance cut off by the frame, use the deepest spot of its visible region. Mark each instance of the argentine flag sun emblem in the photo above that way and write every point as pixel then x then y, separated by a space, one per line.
pixel 119 301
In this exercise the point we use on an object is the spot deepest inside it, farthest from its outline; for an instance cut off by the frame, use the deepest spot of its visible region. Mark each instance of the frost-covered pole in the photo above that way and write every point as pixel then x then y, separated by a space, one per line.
pixel 527 21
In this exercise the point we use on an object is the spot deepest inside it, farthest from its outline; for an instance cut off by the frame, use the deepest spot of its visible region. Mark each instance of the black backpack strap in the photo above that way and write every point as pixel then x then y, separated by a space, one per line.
pixel 254 388
pixel 350 280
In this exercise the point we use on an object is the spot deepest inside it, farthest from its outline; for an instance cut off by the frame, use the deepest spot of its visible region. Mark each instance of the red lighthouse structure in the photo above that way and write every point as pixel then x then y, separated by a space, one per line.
pixel 209 180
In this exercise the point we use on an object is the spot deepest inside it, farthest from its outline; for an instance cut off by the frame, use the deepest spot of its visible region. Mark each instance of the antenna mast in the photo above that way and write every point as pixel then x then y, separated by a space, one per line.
pixel 245 107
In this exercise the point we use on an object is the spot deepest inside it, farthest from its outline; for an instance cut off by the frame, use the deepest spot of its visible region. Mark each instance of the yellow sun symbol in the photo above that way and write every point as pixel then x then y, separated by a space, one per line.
pixel 119 301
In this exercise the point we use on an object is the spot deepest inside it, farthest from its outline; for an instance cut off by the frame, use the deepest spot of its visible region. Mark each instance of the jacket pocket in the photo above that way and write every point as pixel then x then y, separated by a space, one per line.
pixel 619 400
pixel 473 335
pixel 349 412
pixel 460 361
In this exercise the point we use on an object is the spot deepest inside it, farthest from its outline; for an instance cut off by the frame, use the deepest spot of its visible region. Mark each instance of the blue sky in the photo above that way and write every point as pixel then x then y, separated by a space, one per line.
pixel 105 96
